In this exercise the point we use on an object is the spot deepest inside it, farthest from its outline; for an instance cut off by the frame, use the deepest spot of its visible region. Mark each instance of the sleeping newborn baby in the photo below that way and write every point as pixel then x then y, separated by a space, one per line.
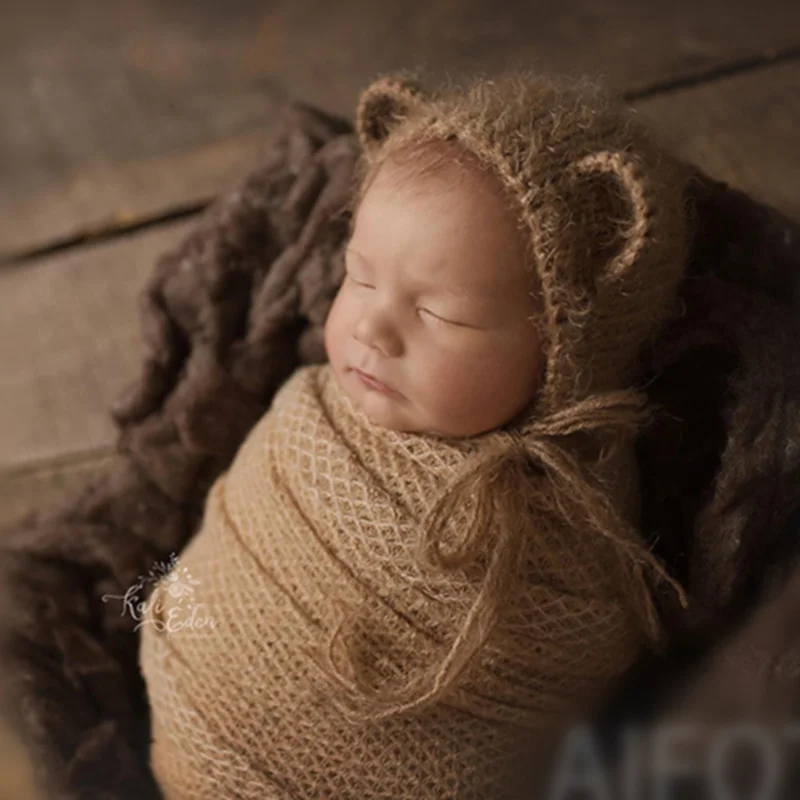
pixel 427 548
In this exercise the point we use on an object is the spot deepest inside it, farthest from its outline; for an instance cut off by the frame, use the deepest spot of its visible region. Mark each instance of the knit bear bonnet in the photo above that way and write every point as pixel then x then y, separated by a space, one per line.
pixel 599 205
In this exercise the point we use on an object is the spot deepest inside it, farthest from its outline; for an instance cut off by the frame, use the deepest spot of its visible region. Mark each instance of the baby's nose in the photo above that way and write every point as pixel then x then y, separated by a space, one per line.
pixel 377 329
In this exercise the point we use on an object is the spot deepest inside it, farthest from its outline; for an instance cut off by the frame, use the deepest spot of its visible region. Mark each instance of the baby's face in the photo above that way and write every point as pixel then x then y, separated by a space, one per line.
pixel 437 306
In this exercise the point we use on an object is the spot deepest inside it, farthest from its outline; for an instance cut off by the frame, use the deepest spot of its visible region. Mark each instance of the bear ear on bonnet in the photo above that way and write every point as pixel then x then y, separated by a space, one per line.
pixel 383 104
pixel 610 248
pixel 614 210
pixel 622 232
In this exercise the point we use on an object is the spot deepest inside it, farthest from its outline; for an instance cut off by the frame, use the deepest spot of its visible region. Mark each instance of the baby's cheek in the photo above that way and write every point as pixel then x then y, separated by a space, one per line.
pixel 328 339
pixel 333 333
pixel 457 384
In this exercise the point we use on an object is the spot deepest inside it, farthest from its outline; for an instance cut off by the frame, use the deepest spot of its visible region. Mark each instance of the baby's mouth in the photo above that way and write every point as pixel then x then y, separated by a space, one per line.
pixel 373 383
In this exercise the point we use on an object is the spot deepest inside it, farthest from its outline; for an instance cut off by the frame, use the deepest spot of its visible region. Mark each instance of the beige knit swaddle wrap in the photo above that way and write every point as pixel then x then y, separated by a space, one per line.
pixel 321 507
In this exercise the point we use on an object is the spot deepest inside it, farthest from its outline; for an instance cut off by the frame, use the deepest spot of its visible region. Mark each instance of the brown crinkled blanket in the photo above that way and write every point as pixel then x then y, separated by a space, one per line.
pixel 227 317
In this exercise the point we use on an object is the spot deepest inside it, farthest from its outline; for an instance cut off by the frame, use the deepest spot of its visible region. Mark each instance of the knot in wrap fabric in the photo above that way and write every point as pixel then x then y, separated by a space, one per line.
pixel 366 639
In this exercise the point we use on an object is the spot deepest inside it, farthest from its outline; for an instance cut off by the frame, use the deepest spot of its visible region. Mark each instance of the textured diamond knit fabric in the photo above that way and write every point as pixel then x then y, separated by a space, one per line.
pixel 322 506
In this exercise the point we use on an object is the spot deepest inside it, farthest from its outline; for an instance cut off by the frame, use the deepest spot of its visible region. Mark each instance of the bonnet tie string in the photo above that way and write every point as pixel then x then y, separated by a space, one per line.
pixel 493 477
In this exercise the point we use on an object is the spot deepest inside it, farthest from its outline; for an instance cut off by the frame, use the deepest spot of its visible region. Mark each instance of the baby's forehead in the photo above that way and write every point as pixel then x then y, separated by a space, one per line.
pixel 458 211
pixel 439 167
pixel 456 189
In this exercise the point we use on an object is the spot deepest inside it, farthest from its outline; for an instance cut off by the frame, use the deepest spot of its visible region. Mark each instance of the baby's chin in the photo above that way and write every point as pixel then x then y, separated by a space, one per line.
pixel 381 413
pixel 381 410
pixel 386 411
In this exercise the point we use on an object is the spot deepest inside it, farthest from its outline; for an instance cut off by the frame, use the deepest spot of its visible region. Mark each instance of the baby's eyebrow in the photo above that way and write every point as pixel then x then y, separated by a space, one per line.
pixel 480 293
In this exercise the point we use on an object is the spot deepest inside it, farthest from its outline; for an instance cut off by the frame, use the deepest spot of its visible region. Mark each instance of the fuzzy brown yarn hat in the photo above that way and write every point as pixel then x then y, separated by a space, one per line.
pixel 599 203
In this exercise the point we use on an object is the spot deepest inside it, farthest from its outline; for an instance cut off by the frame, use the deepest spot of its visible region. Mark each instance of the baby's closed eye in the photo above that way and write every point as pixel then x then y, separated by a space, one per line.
pixel 435 317
pixel 445 320
pixel 358 283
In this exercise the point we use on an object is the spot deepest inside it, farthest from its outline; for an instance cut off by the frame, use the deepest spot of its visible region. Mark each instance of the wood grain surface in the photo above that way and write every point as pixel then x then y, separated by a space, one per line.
pixel 114 112
pixel 744 129
pixel 69 343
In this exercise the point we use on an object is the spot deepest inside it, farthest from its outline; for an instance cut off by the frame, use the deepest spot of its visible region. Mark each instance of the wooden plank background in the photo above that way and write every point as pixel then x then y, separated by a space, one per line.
pixel 117 115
